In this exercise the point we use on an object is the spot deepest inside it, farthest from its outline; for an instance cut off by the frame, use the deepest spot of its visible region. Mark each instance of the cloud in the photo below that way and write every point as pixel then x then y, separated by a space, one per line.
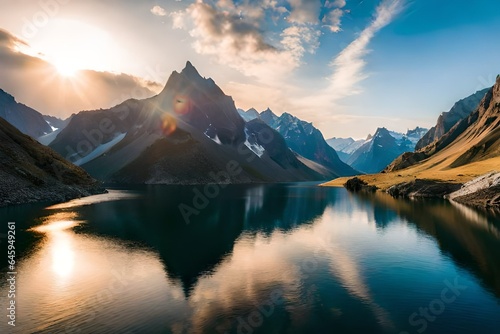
pixel 348 66
pixel 158 11
pixel 235 35
pixel 305 11
pixel 52 94
pixel 332 20
pixel 336 3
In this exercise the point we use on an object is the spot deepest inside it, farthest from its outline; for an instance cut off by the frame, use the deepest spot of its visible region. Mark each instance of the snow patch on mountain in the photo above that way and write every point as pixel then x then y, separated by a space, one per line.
pixel 52 127
pixel 211 133
pixel 100 150
pixel 252 144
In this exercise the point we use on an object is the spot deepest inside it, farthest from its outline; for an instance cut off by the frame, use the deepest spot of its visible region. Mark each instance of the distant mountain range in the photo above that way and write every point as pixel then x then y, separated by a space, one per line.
pixel 374 153
pixel 31 172
pixel 190 133
pixel 303 138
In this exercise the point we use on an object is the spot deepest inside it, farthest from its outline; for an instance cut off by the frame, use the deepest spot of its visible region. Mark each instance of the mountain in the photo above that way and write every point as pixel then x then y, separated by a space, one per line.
pixel 381 149
pixel 190 133
pixel 249 114
pixel 31 172
pixel 468 154
pixel 338 144
pixel 56 123
pixel 304 139
pixel 447 120
pixel 474 139
pixel 24 118
pixel 345 151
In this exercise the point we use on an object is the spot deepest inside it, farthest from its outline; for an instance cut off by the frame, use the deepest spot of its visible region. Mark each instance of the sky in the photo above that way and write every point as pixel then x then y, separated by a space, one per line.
pixel 348 66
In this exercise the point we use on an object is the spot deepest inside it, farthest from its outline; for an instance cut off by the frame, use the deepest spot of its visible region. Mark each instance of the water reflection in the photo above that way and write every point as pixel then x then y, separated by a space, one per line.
pixel 258 259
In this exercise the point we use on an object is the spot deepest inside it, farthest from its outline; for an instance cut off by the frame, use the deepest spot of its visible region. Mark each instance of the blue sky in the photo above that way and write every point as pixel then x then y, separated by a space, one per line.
pixel 349 66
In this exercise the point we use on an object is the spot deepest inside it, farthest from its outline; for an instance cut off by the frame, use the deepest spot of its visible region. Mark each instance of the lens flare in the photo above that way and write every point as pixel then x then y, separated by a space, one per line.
pixel 168 124
pixel 182 104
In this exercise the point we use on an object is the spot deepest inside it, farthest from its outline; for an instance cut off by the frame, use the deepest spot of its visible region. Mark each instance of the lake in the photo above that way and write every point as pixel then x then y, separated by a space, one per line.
pixel 291 258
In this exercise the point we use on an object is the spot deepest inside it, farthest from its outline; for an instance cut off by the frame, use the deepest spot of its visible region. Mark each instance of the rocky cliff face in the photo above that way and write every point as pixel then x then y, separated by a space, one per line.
pixel 447 120
pixel 474 138
pixel 31 172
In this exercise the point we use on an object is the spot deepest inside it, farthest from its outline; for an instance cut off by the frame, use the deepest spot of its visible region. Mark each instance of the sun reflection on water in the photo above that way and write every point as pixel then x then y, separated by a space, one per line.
pixel 57 229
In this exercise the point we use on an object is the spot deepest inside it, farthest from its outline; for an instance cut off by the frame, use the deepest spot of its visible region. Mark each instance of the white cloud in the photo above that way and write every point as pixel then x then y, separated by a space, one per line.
pixel 241 41
pixel 235 36
pixel 349 65
pixel 332 20
pixel 158 11
pixel 335 4
pixel 339 3
pixel 305 11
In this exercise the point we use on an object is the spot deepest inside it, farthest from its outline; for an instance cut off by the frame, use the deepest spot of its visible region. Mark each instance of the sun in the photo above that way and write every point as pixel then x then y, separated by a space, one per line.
pixel 65 67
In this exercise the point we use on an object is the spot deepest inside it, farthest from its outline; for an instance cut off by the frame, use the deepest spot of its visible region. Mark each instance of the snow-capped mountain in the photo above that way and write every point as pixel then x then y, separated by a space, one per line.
pixel 380 150
pixel 345 147
pixel 190 133
pixel 304 139
pixel 339 144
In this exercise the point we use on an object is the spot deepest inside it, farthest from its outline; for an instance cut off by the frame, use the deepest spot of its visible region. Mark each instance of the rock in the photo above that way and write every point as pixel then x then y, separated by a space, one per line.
pixel 423 189
pixel 483 191
pixel 356 185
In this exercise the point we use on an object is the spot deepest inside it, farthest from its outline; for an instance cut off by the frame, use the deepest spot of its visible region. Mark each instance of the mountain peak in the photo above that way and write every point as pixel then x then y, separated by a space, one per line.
pixel 190 71
pixel 381 131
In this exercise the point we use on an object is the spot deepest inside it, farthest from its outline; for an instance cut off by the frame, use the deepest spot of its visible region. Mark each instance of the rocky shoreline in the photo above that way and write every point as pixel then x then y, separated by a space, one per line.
pixel 52 194
pixel 481 192
pixel 421 188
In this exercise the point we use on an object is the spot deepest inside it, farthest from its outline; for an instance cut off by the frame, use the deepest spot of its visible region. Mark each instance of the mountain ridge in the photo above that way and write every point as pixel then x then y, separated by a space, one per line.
pixel 304 139
pixel 191 128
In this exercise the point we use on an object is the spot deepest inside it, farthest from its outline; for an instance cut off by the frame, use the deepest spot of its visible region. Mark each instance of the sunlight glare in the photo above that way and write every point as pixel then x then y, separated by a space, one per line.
pixel 63 257
pixel 72 45
pixel 65 67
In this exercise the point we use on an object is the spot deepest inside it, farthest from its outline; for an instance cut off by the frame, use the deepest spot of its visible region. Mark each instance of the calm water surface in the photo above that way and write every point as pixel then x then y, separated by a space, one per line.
pixel 256 259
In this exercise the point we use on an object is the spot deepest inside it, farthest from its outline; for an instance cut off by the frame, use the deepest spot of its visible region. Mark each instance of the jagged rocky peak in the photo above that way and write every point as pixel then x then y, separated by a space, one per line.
pixel 268 116
pixel 190 77
pixel 418 131
pixel 190 71
pixel 446 120
pixel 381 132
